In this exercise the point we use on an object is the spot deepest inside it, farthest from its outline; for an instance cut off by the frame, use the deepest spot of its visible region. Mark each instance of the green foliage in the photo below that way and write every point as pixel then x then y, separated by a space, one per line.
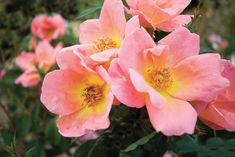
pixel 213 147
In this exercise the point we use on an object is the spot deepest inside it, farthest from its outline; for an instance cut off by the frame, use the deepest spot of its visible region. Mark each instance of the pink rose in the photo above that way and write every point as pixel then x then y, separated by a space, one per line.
pixel 79 96
pixel 166 77
pixel 43 58
pixel 160 14
pixel 48 27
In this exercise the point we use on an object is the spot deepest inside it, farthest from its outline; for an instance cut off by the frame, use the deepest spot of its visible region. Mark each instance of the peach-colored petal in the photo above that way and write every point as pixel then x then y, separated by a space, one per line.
pixel 59 93
pixel 126 93
pixel 29 78
pixel 153 13
pixel 114 69
pixel 198 78
pixel 112 19
pixel 101 71
pixel 68 59
pixel 105 56
pixel 176 117
pixel 199 106
pixel 172 6
pixel 229 73
pixel 74 125
pixel 132 3
pixel 132 47
pixel 141 86
pixel 174 23
pixel 26 60
pixel 62 90
pixel 180 44
pixel 132 25
pixel 45 55
pixel 219 115
pixel 123 88
pixel 89 31
pixel 144 21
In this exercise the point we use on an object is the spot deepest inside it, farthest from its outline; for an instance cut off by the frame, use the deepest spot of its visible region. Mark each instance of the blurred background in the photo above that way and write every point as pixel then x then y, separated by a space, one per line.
pixel 28 130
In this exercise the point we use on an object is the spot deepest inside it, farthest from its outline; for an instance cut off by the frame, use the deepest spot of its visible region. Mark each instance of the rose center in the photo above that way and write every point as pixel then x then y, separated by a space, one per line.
pixel 92 94
pixel 160 78
pixel 104 43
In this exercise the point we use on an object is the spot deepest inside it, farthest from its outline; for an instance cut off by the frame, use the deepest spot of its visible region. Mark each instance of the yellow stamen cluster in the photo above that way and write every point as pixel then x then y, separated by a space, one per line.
pixel 160 78
pixel 92 94
pixel 104 43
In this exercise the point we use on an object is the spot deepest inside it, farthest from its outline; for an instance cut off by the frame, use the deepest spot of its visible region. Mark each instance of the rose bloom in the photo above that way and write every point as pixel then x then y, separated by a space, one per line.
pixel 160 14
pixel 48 27
pixel 29 62
pixel 101 38
pixel 80 96
pixel 220 113
pixel 166 77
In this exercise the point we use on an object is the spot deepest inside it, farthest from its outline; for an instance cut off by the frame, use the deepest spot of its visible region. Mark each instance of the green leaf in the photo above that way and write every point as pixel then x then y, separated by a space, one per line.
pixel 89 11
pixel 98 150
pixel 51 132
pixel 35 151
pixel 31 152
pixel 35 115
pixel 83 150
pixel 141 141
pixel 23 125
pixel 214 143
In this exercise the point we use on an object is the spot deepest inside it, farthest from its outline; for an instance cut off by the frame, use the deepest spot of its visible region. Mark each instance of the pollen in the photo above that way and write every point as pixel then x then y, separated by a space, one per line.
pixel 92 94
pixel 104 43
pixel 160 78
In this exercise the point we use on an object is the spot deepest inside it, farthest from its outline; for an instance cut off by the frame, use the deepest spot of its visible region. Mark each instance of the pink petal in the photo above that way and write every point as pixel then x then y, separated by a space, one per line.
pixel 112 19
pixel 114 69
pixel 105 56
pixel 59 91
pixel 132 3
pixel 68 58
pixel 145 21
pixel 198 78
pixel 180 44
pixel 176 117
pixel 174 23
pixel 89 31
pixel 153 13
pixel 45 55
pixel 141 86
pixel 173 7
pixel 26 60
pixel 220 115
pixel 74 125
pixel 126 93
pixel 132 47
pixel 229 73
pixel 103 74
pixel 132 25
pixel 29 78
